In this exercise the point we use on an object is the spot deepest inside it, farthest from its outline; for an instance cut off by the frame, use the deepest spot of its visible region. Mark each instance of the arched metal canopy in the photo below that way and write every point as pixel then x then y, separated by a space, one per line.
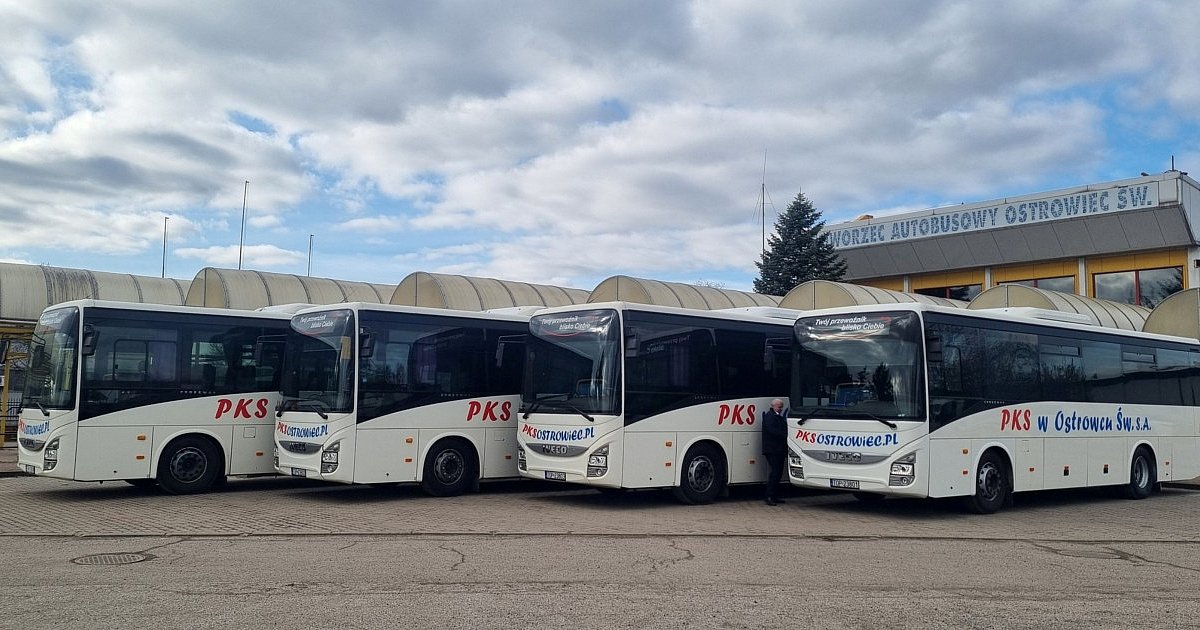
pixel 26 290
pixel 466 293
pixel 1103 312
pixel 657 292
pixel 246 289
pixel 816 294
pixel 1177 315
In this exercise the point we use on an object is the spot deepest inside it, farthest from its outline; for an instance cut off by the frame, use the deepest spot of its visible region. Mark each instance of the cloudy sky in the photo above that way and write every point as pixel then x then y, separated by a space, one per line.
pixel 555 142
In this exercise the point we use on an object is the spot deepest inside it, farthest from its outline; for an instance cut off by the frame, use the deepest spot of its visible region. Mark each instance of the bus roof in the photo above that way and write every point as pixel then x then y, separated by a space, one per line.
pixel 510 314
pixel 769 315
pixel 999 314
pixel 169 308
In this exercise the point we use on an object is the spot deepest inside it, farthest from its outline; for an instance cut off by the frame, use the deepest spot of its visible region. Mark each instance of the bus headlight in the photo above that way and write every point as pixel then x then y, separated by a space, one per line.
pixel 598 462
pixel 904 471
pixel 329 458
pixel 50 455
pixel 522 465
pixel 795 465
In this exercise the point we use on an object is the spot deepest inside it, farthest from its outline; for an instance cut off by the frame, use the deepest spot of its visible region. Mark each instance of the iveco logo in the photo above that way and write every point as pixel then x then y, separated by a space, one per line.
pixel 555 449
pixel 835 456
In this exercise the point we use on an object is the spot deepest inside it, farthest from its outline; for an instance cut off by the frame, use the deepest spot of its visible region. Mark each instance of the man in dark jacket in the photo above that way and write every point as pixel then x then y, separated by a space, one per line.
pixel 774 447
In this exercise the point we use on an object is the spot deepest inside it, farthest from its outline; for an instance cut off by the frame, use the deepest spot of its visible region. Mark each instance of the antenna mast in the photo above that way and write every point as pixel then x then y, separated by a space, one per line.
pixel 762 201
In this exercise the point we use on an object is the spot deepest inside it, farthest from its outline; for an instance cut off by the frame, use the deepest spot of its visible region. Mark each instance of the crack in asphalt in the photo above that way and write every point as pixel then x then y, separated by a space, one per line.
pixel 462 557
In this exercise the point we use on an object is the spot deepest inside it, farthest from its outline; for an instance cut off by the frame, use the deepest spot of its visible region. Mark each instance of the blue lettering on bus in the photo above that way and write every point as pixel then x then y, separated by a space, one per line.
pixel 1067 422
pixel 848 441
pixel 302 432
pixel 563 435
pixel 37 429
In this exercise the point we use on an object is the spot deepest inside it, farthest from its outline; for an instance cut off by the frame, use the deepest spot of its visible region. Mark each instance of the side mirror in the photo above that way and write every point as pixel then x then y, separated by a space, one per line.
pixel 88 346
pixel 366 341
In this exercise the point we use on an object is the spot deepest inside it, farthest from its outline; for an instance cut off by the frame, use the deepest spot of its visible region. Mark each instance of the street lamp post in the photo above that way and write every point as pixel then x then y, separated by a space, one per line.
pixel 164 268
pixel 242 241
pixel 310 241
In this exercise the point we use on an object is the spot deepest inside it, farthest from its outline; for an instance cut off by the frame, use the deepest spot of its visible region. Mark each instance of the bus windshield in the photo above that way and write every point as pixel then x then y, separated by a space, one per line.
pixel 571 363
pixel 319 364
pixel 53 350
pixel 859 366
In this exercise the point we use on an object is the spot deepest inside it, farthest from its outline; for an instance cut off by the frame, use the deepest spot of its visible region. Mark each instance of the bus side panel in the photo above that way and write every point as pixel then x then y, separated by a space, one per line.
pixel 1028 469
pixel 113 453
pixel 746 463
pixel 386 455
pixel 649 459
pixel 951 467
pixel 1067 462
pixel 1108 461
pixel 252 444
pixel 500 452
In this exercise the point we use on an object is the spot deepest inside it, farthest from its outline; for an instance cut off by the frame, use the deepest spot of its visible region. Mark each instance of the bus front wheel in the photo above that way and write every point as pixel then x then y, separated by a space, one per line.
pixel 1143 474
pixel 450 468
pixel 703 476
pixel 190 464
pixel 993 486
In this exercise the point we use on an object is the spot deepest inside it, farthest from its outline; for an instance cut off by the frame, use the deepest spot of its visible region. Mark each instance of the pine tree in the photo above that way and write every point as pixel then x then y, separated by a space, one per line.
pixel 797 251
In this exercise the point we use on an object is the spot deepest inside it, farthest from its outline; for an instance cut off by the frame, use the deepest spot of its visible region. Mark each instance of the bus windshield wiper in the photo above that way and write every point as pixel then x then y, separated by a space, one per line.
pixel 844 412
pixel 299 404
pixel 537 402
pixel 41 407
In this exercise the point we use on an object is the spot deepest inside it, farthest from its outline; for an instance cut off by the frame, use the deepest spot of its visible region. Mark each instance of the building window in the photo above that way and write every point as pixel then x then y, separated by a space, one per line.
pixel 1062 284
pixel 965 292
pixel 1146 287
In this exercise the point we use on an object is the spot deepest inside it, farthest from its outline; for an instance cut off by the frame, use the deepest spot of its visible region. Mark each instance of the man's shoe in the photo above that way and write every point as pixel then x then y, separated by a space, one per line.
pixel 772 502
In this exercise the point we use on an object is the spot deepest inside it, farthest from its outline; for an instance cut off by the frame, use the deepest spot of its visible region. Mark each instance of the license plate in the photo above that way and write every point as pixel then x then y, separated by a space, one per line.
pixel 556 476
pixel 29 468
pixel 299 472
pixel 848 484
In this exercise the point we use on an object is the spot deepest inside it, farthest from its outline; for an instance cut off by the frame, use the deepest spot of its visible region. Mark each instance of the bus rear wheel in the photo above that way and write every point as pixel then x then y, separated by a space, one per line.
pixel 450 468
pixel 703 477
pixel 993 486
pixel 1143 474
pixel 189 464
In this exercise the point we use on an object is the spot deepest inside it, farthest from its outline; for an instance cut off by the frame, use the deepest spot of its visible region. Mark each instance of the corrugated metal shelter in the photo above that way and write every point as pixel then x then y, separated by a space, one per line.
pixel 246 289
pixel 816 294
pixel 1179 315
pixel 466 293
pixel 1103 312
pixel 643 291
pixel 26 290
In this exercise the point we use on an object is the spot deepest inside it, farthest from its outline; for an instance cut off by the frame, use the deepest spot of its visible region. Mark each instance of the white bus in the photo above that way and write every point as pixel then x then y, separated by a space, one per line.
pixel 621 395
pixel 925 401
pixel 150 394
pixel 385 394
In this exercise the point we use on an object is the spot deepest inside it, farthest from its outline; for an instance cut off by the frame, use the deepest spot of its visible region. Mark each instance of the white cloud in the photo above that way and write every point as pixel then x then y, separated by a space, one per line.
pixel 584 140
pixel 252 257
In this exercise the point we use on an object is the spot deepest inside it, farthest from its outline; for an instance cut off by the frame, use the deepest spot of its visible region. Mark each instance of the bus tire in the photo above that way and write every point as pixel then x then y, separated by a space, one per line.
pixel 703 477
pixel 149 482
pixel 993 484
pixel 189 464
pixel 451 468
pixel 1143 474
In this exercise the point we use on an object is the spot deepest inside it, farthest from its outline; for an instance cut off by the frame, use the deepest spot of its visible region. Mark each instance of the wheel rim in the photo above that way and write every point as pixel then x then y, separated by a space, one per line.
pixel 448 466
pixel 701 474
pixel 188 464
pixel 989 482
pixel 1141 472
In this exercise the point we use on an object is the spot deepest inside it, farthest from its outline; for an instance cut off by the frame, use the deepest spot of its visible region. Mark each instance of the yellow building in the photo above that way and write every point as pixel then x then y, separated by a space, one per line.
pixel 1134 241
